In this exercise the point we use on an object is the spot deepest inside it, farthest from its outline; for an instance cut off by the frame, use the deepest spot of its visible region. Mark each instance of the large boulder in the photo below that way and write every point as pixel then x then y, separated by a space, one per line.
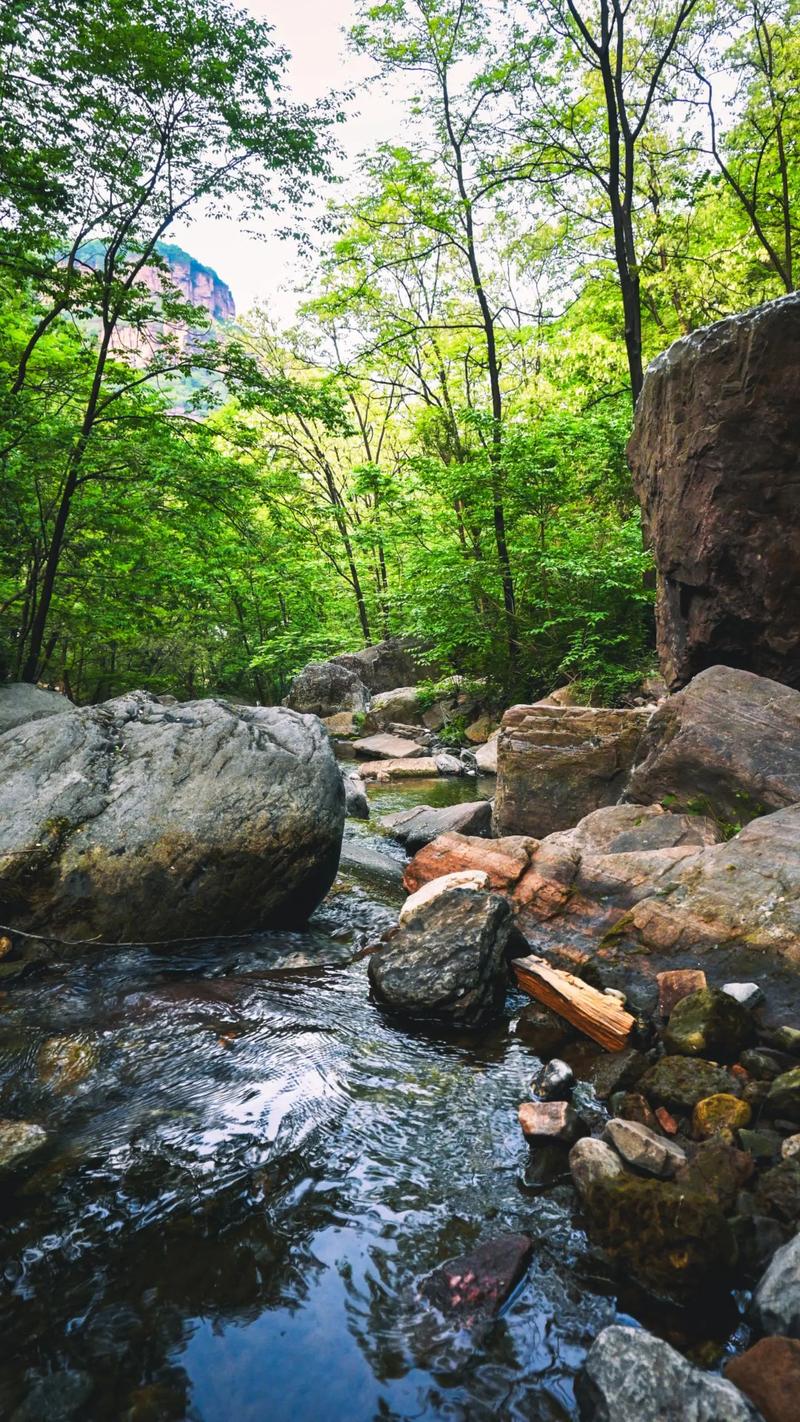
pixel 448 961
pixel 422 823
pixel 326 688
pixel 631 1376
pixel 714 456
pixel 403 705
pixel 557 763
pixel 397 661
pixel 138 821
pixel 728 744
pixel 20 701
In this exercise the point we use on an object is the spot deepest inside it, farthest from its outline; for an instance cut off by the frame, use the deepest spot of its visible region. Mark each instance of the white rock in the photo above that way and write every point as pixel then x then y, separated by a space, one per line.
pixel 640 1146
pixel 748 994
pixel 461 879
pixel 790 1148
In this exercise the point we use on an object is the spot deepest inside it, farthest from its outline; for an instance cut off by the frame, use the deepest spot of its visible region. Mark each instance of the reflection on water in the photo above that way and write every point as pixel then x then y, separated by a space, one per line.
pixel 248 1169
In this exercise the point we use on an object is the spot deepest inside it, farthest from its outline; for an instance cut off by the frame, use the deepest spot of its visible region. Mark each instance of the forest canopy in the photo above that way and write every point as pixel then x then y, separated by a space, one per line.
pixel 436 444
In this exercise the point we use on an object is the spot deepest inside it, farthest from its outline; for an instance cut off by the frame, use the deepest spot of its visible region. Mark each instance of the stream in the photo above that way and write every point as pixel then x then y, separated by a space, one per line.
pixel 248 1170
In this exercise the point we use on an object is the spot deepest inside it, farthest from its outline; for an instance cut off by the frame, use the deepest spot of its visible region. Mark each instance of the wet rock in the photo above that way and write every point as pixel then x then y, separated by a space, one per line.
pixel 384 747
pixel 557 763
pixel 355 797
pixel 448 962
pixel 718 1171
pixel 776 1302
pixel 675 1242
pixel 421 824
pixel 476 1285
pixel 680 1082
pixel 55 1398
pixel 134 821
pixel 372 863
pixel 727 743
pixel 447 764
pixel 21 702
pixel 719 1113
pixel 749 995
pixel 631 1106
pixel 783 1098
pixel 761 1144
pixel 714 460
pixel 504 860
pixel 467 879
pixel 630 1376
pixel 64 1062
pixel 645 1149
pixel 593 1163
pixel 676 984
pixel 777 1193
pixel 613 1071
pixel 709 1023
pixel 548 1120
pixel 18 1140
pixel 787 1039
pixel 666 1121
pixel 555 1081
pixel 761 1064
pixel 592 1114
pixel 769 1374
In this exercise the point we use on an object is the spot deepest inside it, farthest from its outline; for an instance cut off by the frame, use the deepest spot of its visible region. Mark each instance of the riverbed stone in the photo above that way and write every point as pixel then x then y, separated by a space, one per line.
pixel 677 983
pixel 721 1112
pixel 421 824
pixel 593 1162
pixel 748 994
pixel 355 797
pixel 64 1062
pixel 783 1098
pixel 448 961
pixel 777 1192
pixel 555 1081
pixel 134 821
pixel 790 1148
pixel 385 747
pixel 776 1301
pixel 645 1149
pixel 717 1170
pixel 548 1120
pixel 557 763
pixel 403 704
pixel 476 1285
pixel 680 1082
pixel 419 767
pixel 614 1071
pixel 631 1376
pixel 504 860
pixel 466 879
pixel 18 1140
pixel 709 1023
pixel 769 1374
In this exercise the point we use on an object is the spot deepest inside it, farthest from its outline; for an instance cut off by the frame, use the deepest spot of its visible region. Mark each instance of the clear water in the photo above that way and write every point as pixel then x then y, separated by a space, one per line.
pixel 237 1200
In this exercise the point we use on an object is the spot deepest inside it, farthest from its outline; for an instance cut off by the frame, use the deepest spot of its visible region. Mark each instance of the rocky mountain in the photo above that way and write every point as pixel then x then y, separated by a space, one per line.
pixel 199 284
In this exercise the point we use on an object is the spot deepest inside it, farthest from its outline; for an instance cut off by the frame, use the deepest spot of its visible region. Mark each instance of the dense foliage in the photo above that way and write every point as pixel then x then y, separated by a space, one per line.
pixel 437 445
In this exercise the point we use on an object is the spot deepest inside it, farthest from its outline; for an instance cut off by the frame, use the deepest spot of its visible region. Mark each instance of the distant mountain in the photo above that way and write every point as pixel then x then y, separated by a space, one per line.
pixel 199 284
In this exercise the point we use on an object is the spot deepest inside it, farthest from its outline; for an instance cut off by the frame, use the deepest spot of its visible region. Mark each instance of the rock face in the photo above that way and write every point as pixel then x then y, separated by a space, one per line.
pixel 21 702
pixel 630 1375
pixel 728 744
pixel 557 763
pixel 714 456
pixel 448 961
pixel 137 821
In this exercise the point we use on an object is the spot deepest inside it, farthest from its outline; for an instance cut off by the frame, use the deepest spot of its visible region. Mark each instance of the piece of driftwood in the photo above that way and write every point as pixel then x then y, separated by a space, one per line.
pixel 602 1018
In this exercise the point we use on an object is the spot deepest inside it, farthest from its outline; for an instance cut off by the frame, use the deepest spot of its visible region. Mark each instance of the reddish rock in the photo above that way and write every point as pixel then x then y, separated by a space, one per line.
pixel 547 1120
pixel 714 457
pixel 557 763
pixel 504 860
pixel 666 1121
pixel 477 1284
pixel 769 1374
pixel 677 984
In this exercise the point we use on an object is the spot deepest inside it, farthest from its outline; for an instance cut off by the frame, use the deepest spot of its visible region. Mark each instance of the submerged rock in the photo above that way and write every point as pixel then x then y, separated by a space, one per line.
pixel 630 1376
pixel 476 1285
pixel 137 821
pixel 18 1140
pixel 64 1062
pixel 448 962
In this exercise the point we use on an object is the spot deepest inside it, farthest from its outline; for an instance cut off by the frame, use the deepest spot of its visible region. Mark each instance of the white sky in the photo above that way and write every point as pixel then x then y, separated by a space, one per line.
pixel 265 270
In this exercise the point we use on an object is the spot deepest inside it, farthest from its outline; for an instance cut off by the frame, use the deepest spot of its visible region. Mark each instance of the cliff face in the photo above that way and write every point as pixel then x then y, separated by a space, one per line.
pixel 199 284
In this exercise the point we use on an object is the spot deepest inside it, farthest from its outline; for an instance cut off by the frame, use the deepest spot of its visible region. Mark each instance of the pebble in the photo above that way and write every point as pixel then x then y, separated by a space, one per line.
pixel 592 1161
pixel 640 1146
pixel 748 994
pixel 790 1148
pixel 555 1081
pixel 666 1121
pixel 548 1120
pixel 722 1112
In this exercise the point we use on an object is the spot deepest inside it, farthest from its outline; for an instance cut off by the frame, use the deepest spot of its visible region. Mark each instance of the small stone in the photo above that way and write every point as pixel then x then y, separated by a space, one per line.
pixel 762 1065
pixel 548 1120
pixel 761 1144
pixel 722 1112
pixel 612 1071
pixel 783 1098
pixel 666 1121
pixel 19 1139
pixel 787 1039
pixel 477 1284
pixel 5 945
pixel 790 1148
pixel 776 1302
pixel 677 984
pixel 591 1162
pixel 680 1082
pixel 749 995
pixel 633 1107
pixel 644 1149
pixel 541 1029
pixel 778 1192
pixel 769 1374
pixel 709 1023
pixel 555 1081
pixel 617 994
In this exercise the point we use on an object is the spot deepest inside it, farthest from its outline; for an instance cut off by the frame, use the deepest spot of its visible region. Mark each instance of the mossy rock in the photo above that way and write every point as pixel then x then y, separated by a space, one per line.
pixel 675 1242
pixel 709 1023
pixel 64 1062
pixel 783 1099
pixel 718 1171
pixel 722 1112
pixel 680 1082
pixel 778 1192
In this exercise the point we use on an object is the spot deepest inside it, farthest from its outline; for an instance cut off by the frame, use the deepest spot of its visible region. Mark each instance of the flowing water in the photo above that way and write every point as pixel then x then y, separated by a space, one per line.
pixel 248 1170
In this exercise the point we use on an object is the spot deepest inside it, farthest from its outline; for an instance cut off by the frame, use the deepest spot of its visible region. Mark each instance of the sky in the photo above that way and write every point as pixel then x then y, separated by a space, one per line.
pixel 266 270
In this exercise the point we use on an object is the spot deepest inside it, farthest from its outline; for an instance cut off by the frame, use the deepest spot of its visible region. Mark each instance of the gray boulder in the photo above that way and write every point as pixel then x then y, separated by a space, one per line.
pixel 776 1302
pixel 422 824
pixel 389 707
pixel 728 744
pixel 137 821
pixel 20 701
pixel 325 688
pixel 448 961
pixel 355 797
pixel 630 1375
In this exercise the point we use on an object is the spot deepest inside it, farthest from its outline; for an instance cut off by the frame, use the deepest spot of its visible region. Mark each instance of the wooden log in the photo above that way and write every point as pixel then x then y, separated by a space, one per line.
pixel 602 1018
